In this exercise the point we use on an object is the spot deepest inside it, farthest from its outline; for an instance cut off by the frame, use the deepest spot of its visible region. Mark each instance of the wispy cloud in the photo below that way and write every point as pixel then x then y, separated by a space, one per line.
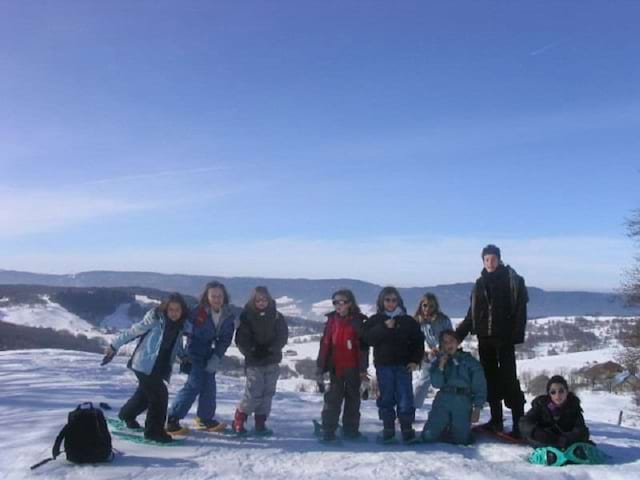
pixel 36 211
pixel 538 51
pixel 153 175
pixel 572 262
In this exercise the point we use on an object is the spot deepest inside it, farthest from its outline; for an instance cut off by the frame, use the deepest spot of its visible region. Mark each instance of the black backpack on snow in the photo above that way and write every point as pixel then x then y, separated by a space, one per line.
pixel 86 437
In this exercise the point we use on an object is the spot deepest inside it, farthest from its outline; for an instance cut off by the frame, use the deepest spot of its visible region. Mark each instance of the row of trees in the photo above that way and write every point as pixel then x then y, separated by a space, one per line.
pixel 630 357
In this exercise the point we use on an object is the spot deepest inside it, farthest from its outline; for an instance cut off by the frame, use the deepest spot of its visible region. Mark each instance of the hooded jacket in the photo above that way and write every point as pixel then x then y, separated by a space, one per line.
pixel 150 330
pixel 396 346
pixel 541 427
pixel 261 336
pixel 342 345
pixel 505 315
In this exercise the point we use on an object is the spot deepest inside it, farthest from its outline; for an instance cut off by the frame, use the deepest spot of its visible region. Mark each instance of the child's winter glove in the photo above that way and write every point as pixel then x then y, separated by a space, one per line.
pixel 109 354
pixel 185 366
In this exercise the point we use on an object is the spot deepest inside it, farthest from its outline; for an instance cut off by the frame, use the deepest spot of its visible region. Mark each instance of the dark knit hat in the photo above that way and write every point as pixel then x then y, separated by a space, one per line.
pixel 557 379
pixel 491 249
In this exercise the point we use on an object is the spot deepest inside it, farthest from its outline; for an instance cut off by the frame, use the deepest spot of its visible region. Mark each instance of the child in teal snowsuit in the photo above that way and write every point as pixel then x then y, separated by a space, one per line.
pixel 463 392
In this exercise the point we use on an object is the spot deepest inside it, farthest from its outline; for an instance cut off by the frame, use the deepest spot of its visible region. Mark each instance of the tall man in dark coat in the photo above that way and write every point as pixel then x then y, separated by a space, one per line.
pixel 498 316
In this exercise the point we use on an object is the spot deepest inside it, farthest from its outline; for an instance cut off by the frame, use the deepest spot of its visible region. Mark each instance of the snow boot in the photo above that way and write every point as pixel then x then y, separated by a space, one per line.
pixel 160 436
pixel 389 431
pixel 516 415
pixel 173 425
pixel 328 436
pixel 261 427
pixel 238 423
pixel 209 425
pixel 408 433
pixel 495 424
pixel 131 423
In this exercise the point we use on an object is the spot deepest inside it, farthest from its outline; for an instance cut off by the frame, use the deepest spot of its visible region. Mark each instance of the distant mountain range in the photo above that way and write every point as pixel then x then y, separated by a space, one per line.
pixel 308 298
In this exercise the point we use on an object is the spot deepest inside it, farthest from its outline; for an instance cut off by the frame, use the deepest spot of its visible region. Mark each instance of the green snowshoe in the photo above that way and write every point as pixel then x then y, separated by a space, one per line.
pixel 586 454
pixel 549 456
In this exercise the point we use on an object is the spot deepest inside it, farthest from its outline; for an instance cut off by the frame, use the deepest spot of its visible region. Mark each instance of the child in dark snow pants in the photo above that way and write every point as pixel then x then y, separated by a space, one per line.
pixel 462 393
pixel 344 355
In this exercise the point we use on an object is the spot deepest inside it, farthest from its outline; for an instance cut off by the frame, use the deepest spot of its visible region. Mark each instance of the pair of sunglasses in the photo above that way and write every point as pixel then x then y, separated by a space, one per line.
pixel 337 303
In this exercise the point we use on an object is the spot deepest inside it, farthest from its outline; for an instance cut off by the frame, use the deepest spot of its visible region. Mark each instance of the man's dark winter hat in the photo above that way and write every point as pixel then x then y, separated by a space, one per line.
pixel 557 379
pixel 491 249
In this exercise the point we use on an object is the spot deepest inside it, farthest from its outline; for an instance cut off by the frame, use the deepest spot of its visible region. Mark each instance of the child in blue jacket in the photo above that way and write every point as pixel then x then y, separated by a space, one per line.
pixel 211 328
pixel 461 396
pixel 160 334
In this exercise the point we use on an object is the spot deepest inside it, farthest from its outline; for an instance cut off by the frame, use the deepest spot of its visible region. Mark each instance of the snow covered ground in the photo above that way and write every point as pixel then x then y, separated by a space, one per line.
pixel 39 387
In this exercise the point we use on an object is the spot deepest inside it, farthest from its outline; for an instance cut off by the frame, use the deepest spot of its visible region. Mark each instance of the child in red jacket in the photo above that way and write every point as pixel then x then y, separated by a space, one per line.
pixel 343 354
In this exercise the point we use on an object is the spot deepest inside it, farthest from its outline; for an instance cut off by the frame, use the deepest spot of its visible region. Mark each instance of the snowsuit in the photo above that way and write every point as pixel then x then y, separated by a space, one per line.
pixel 498 316
pixel 260 338
pixel 393 349
pixel 206 347
pixel 345 355
pixel 543 426
pixel 462 387
pixel 431 331
pixel 160 343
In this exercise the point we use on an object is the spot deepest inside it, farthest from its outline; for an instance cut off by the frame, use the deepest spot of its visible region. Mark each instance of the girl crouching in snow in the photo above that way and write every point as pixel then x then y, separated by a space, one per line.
pixel 345 356
pixel 461 395
pixel 555 419
pixel 556 429
pixel 160 334
pixel 261 336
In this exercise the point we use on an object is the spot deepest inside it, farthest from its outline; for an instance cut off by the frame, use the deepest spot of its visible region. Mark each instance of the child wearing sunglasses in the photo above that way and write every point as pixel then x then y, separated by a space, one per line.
pixel 345 356
pixel 432 322
pixel 261 336
pixel 398 348
pixel 555 419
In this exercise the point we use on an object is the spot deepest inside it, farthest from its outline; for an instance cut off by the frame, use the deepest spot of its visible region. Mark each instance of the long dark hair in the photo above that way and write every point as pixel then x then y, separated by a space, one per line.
pixel 260 290
pixel 354 309
pixel 174 298
pixel 389 291
pixel 204 300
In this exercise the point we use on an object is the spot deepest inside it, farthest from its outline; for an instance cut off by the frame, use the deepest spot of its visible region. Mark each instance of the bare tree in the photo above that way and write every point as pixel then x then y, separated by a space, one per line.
pixel 630 356
pixel 631 285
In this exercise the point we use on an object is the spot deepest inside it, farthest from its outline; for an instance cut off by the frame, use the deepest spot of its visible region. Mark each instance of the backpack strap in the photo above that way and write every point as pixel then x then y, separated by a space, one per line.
pixel 55 451
pixel 56 445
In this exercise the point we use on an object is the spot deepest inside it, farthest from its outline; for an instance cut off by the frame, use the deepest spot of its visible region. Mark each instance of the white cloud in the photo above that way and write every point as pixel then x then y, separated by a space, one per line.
pixel 34 211
pixel 592 263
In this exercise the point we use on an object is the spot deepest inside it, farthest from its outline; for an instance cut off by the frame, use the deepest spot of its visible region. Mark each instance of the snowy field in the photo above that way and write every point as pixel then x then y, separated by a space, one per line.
pixel 39 387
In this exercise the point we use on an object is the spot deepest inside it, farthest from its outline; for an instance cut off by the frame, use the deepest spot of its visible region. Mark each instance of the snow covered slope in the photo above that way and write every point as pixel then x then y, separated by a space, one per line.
pixel 49 314
pixel 38 388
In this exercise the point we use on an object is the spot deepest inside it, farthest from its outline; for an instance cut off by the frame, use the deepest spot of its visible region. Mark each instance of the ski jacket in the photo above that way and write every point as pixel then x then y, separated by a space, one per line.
pixel 342 345
pixel 261 337
pixel 541 428
pixel 205 340
pixel 396 346
pixel 432 329
pixel 462 374
pixel 150 332
pixel 484 319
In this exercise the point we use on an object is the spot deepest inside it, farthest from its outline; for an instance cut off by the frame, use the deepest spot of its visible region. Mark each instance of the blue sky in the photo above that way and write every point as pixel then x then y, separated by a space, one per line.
pixel 386 141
